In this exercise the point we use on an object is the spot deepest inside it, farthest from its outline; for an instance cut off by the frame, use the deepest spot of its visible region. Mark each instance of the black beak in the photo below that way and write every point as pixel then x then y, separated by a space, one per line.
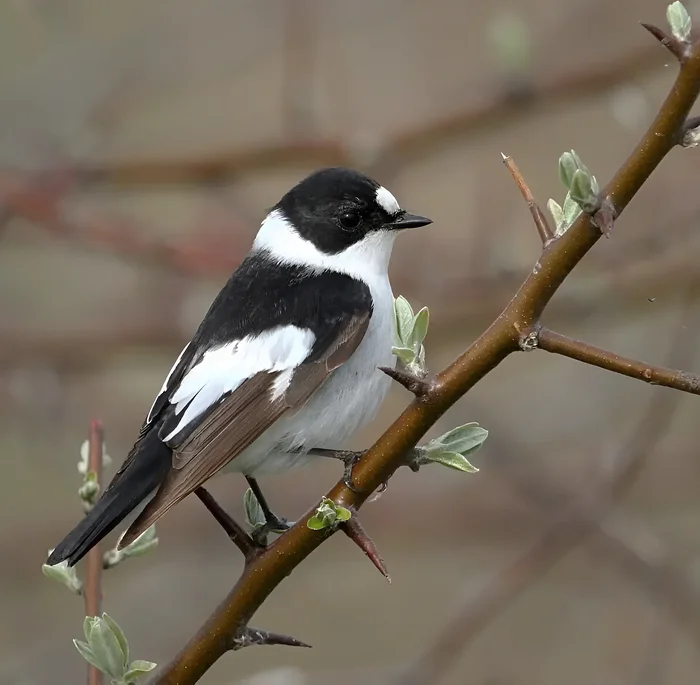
pixel 407 220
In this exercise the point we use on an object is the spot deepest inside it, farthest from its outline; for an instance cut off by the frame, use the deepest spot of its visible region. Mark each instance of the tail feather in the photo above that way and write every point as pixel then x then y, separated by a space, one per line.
pixel 141 474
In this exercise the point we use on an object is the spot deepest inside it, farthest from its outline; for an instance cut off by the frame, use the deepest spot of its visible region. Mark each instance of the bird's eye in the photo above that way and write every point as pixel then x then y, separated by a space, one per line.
pixel 350 220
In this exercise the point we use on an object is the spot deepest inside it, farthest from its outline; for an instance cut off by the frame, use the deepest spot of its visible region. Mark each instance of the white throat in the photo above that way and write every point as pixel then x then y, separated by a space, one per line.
pixel 365 260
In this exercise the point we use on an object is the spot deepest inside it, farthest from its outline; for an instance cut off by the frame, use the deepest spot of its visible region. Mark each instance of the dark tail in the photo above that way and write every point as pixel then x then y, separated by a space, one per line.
pixel 141 473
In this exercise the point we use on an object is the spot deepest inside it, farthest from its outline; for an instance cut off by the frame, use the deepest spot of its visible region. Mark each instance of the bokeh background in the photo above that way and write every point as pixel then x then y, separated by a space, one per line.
pixel 140 146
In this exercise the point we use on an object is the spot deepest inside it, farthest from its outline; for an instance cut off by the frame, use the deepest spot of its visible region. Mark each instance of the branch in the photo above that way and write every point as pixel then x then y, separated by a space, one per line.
pixel 43 203
pixel 556 343
pixel 572 527
pixel 93 575
pixel 671 43
pixel 492 109
pixel 248 547
pixel 543 229
pixel 379 463
pixel 249 637
pixel 418 386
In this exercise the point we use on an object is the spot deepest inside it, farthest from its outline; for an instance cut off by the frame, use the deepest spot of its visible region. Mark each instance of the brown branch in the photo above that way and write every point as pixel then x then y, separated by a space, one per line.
pixel 491 110
pixel 379 463
pixel 93 574
pixel 573 526
pixel 356 532
pixel 44 205
pixel 248 547
pixel 676 47
pixel 249 637
pixel 543 229
pixel 595 356
pixel 418 386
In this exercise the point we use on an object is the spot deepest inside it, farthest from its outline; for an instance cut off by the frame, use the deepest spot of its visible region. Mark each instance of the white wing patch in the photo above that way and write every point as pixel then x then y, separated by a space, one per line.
pixel 149 418
pixel 223 369
pixel 387 201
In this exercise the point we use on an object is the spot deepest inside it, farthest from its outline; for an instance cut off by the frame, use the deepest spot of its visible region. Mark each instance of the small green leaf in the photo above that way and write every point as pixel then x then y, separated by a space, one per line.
pixel 568 165
pixel 679 21
pixel 107 650
pixel 582 191
pixel 571 210
pixel 556 211
pixel 316 523
pixel 119 634
pixel 328 514
pixel 137 669
pixel 64 574
pixel 85 651
pixel 254 514
pixel 143 543
pixel 405 354
pixel 454 460
pixel 463 438
pixel 404 319
pixel 419 328
pixel 343 514
pixel 88 624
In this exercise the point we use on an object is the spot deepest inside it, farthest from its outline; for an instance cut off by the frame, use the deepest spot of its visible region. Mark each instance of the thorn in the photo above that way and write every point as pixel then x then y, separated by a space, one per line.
pixel 504 156
pixel 249 548
pixel 418 386
pixel 354 530
pixel 248 637
pixel 538 216
pixel 673 45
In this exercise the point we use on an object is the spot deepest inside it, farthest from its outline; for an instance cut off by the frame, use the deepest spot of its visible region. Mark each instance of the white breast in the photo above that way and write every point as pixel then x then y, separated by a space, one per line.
pixel 352 395
pixel 346 402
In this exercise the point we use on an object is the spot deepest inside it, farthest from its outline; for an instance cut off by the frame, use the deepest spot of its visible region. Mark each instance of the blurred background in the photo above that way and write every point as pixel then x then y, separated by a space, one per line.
pixel 141 145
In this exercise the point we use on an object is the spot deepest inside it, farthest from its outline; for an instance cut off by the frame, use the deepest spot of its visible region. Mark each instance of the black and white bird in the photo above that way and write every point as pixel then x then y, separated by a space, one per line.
pixel 285 360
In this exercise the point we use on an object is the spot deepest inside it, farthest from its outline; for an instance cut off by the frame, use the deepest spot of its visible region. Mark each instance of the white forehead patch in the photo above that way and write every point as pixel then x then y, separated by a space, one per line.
pixel 387 201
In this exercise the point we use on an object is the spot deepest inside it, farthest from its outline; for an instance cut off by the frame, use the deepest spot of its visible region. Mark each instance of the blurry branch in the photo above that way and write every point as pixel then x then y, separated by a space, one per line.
pixel 300 46
pixel 570 526
pixel 544 339
pixel 490 111
pixel 93 574
pixel 558 259
pixel 44 205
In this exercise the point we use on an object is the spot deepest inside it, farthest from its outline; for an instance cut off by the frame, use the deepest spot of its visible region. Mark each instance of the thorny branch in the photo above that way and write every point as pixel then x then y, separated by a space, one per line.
pixel 573 526
pixel 502 338
pixel 541 223
pixel 544 339
pixel 39 202
pixel 92 589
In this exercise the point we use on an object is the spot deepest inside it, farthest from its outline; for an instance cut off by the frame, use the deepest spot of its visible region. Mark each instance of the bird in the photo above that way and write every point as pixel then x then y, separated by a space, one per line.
pixel 284 361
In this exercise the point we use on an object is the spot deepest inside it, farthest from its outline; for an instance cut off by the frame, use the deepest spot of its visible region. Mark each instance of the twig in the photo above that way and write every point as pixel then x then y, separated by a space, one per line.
pixel 595 356
pixel 543 229
pixel 249 637
pixel 356 532
pixel 491 110
pixel 572 528
pixel 44 205
pixel 237 535
pixel 379 463
pixel 418 386
pixel 671 43
pixel 93 573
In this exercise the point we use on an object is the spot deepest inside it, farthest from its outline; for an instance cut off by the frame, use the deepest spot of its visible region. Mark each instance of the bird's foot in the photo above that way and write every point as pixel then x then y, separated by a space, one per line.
pixel 273 523
pixel 348 457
